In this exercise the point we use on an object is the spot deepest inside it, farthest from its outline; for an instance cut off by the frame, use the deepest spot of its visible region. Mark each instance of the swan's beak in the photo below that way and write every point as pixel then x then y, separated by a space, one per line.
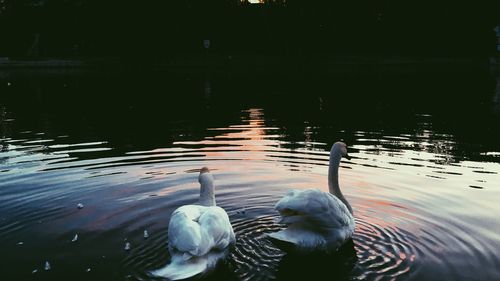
pixel 347 157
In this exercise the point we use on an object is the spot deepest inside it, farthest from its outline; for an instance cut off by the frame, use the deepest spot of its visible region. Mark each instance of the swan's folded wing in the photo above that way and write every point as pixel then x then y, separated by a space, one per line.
pixel 301 201
pixel 197 230
pixel 339 211
pixel 325 209
pixel 184 233
pixel 215 224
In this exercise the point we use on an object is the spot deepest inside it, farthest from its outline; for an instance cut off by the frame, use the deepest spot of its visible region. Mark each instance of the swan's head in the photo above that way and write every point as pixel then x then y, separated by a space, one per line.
pixel 207 187
pixel 204 175
pixel 340 148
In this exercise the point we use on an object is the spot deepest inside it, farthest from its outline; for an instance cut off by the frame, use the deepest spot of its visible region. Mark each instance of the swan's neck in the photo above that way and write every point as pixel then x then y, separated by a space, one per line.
pixel 333 177
pixel 207 194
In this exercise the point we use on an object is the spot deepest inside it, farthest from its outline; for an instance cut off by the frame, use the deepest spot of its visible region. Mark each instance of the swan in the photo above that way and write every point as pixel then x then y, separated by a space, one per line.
pixel 199 236
pixel 317 220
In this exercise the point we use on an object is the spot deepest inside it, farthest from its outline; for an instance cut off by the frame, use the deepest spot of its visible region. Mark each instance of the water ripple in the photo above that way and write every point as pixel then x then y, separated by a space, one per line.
pixel 418 203
pixel 255 257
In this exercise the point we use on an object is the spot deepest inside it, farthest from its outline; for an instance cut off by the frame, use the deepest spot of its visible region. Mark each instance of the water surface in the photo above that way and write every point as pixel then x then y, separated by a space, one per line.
pixel 423 181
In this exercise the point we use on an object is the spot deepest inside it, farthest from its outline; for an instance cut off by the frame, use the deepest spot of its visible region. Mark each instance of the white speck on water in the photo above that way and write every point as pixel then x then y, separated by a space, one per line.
pixel 146 234
pixel 75 238
pixel 88 269
pixel 127 246
pixel 47 266
pixel 79 206
pixel 20 243
pixel 34 271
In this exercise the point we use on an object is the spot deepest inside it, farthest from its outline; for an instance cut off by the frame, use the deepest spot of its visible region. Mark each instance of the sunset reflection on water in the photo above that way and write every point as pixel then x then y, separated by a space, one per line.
pixel 423 184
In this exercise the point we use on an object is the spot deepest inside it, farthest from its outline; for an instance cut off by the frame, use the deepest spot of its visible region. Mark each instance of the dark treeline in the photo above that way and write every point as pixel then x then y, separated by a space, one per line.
pixel 170 28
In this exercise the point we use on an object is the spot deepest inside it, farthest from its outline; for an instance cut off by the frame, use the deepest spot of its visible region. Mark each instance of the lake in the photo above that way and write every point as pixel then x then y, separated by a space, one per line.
pixel 128 144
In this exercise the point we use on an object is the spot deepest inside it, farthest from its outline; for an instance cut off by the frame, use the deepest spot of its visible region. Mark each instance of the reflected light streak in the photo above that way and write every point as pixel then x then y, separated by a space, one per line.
pixel 251 138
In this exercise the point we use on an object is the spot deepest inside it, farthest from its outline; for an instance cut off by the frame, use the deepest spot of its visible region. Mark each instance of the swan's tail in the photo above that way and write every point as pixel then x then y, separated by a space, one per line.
pixel 182 268
pixel 282 242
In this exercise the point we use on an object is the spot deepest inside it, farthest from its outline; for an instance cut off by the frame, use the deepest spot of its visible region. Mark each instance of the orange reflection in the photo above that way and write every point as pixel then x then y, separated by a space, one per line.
pixel 250 138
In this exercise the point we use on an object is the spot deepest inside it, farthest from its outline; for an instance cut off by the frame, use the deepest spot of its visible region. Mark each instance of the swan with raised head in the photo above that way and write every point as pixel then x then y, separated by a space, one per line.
pixel 199 236
pixel 317 220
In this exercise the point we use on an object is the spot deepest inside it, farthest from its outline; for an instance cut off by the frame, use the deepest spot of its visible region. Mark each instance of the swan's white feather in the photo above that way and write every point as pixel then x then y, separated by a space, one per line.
pixel 316 220
pixel 199 236
pixel 182 268
pixel 179 268
pixel 196 230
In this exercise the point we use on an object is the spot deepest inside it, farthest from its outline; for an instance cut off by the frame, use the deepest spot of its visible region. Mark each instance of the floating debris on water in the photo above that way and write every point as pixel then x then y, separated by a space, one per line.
pixel 47 266
pixel 75 238
pixel 88 270
pixel 127 246
pixel 34 271
pixel 79 206
pixel 146 234
pixel 20 243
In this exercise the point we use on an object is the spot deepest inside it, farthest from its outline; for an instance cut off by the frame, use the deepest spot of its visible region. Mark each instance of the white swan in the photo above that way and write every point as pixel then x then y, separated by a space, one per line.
pixel 317 220
pixel 198 235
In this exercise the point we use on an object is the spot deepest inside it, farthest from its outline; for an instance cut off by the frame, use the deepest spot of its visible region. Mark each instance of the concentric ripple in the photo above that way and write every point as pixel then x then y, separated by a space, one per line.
pixel 388 252
pixel 375 252
pixel 422 212
pixel 255 257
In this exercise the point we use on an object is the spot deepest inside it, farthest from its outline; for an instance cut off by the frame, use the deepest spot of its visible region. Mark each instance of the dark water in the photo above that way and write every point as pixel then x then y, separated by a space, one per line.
pixel 424 179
